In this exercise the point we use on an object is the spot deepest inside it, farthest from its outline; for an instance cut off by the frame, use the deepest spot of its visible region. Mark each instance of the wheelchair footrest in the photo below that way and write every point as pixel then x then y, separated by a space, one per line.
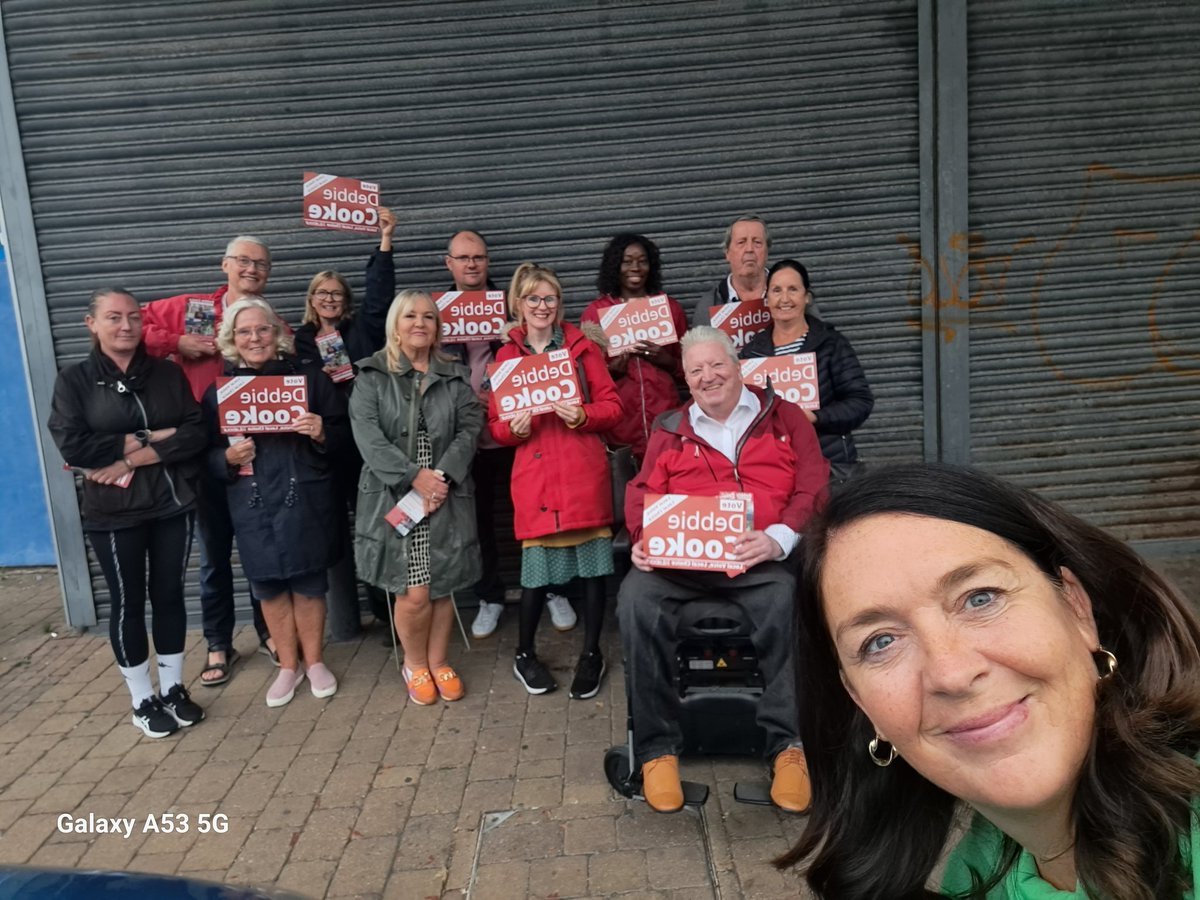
pixel 694 793
pixel 757 793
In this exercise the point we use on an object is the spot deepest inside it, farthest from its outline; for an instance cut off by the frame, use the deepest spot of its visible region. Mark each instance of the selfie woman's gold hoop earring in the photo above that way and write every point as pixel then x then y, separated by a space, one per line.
pixel 873 752
pixel 1106 663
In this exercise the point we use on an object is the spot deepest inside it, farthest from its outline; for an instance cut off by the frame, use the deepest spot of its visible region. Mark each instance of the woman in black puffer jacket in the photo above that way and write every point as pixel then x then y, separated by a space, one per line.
pixel 127 422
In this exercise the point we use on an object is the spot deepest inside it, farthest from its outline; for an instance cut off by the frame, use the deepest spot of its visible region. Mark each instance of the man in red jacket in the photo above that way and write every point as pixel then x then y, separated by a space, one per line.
pixel 184 327
pixel 729 437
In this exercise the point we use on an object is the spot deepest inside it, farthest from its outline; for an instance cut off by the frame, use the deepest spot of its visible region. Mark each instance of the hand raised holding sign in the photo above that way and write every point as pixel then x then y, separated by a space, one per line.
pixel 310 425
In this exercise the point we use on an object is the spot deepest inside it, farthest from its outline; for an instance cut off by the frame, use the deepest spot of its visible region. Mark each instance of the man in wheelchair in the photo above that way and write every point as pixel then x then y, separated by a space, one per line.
pixel 728 437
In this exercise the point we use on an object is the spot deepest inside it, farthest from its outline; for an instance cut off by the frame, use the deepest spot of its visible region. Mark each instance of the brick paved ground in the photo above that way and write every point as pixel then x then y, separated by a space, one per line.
pixel 363 794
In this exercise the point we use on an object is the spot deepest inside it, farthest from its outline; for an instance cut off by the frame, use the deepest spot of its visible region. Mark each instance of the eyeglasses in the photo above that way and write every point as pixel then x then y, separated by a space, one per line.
pixel 477 260
pixel 256 331
pixel 329 295
pixel 533 300
pixel 245 262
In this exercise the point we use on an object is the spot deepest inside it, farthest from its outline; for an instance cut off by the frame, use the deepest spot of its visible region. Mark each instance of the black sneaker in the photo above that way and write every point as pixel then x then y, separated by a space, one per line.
pixel 531 673
pixel 179 704
pixel 587 676
pixel 153 719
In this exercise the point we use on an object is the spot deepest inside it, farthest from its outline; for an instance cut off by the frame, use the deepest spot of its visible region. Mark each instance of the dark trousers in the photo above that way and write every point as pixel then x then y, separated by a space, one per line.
pixel 216 570
pixel 154 553
pixel 648 609
pixel 492 470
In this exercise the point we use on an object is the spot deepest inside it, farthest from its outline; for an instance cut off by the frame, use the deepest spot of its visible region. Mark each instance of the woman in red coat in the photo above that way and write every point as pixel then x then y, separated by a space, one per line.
pixel 648 379
pixel 562 499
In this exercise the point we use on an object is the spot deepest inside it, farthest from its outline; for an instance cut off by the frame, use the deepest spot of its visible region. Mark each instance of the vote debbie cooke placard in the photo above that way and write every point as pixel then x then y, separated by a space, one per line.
pixel 682 532
pixel 253 404
pixel 471 316
pixel 343 204
pixel 794 377
pixel 534 383
pixel 648 319
pixel 741 320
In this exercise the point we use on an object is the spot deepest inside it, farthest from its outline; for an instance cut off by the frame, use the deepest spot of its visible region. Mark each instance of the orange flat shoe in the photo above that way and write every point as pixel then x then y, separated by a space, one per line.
pixel 660 784
pixel 449 685
pixel 790 788
pixel 421 690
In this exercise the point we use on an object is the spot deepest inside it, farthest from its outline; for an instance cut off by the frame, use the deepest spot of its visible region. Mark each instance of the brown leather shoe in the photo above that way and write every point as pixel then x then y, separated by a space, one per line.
pixel 660 784
pixel 790 788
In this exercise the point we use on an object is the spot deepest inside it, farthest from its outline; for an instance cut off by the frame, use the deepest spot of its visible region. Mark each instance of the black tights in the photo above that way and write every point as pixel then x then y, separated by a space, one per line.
pixel 533 599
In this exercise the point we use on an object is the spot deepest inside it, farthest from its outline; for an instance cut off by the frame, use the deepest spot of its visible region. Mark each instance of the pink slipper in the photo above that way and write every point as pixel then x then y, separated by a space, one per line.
pixel 321 680
pixel 284 688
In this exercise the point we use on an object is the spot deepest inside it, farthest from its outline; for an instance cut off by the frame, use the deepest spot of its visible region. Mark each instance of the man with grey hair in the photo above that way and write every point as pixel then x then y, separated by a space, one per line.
pixel 171 329
pixel 746 244
pixel 728 437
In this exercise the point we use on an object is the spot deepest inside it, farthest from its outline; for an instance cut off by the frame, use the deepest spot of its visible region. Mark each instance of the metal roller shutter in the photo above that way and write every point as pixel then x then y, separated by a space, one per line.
pixel 153 132
pixel 1084 212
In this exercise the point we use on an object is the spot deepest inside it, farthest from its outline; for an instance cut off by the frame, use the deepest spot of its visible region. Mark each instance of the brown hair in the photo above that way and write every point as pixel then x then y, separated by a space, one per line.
pixel 310 312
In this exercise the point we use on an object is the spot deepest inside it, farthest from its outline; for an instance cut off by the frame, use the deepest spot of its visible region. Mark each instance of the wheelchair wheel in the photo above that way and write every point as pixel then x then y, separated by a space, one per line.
pixel 618 769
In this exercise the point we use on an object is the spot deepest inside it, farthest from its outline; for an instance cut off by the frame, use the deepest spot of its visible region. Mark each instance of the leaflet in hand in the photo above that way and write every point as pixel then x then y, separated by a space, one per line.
pixel 627 324
pixel 251 404
pixel 343 204
pixel 471 316
pixel 333 353
pixel 696 533
pixel 794 377
pixel 200 317
pixel 534 383
pixel 244 468
pixel 407 513
pixel 741 320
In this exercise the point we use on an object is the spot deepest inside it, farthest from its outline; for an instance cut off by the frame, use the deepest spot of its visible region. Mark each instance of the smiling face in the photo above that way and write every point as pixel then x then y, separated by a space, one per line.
pixel 714 379
pixel 328 299
pixel 635 268
pixel 254 337
pixel 416 328
pixel 966 657
pixel 247 267
pixel 540 307
pixel 116 325
pixel 747 252
pixel 787 297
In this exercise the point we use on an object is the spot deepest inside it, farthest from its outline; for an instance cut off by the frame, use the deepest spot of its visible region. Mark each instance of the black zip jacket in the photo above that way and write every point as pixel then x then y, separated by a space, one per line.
pixel 96 404
pixel 846 398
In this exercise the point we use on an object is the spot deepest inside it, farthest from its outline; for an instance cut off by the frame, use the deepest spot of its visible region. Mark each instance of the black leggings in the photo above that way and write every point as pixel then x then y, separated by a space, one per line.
pixel 533 599
pixel 122 555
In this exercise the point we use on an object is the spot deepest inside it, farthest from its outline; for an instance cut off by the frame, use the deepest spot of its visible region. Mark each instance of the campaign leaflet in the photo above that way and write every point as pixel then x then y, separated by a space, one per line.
pixel 122 482
pixel 343 204
pixel 471 316
pixel 741 320
pixel 407 513
pixel 200 317
pixel 534 383
pixel 252 404
pixel 794 377
pixel 648 319
pixel 691 532
pixel 333 353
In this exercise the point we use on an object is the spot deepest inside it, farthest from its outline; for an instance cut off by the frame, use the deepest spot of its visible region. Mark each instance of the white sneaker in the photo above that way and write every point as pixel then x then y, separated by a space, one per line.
pixel 561 613
pixel 486 619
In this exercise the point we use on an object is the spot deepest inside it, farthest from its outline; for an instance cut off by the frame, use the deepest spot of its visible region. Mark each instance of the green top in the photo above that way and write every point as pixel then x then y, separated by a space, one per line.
pixel 980 849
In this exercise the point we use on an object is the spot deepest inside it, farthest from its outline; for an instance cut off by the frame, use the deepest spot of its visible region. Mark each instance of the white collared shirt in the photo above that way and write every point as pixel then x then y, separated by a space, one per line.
pixel 733 294
pixel 724 437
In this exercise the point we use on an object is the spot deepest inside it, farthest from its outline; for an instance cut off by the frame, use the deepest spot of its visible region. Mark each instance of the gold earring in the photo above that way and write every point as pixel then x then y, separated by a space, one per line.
pixel 873 751
pixel 1106 663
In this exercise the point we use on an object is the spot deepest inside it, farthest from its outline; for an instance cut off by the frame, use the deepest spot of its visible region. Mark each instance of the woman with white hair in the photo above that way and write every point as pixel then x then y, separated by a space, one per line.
pixel 281 495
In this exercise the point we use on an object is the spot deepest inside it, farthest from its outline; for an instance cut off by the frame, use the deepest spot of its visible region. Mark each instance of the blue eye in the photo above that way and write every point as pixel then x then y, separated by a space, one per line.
pixel 980 599
pixel 877 644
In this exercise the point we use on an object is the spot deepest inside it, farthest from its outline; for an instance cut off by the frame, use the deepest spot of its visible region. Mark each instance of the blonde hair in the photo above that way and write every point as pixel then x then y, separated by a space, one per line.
pixel 406 300
pixel 283 340
pixel 310 312
pixel 524 280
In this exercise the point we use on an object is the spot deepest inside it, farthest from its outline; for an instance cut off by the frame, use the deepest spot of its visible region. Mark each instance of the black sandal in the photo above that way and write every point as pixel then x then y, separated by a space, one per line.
pixel 231 656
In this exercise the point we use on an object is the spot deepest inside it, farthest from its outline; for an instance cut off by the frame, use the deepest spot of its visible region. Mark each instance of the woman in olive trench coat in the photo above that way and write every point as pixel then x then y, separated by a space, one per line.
pixel 416 421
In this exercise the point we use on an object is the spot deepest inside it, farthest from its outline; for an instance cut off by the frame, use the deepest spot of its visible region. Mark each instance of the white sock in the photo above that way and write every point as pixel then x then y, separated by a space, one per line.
pixel 170 671
pixel 137 679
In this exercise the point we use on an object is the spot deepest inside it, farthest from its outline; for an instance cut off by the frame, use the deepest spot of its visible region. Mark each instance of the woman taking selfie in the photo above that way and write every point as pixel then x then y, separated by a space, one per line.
pixel 968 647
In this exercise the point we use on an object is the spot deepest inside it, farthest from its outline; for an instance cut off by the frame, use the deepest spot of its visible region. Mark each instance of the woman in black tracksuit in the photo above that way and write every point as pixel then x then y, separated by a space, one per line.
pixel 128 423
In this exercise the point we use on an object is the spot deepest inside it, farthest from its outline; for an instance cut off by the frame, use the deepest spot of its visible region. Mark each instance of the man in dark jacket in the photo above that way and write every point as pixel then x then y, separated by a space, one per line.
pixel 727 438
pixel 746 244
